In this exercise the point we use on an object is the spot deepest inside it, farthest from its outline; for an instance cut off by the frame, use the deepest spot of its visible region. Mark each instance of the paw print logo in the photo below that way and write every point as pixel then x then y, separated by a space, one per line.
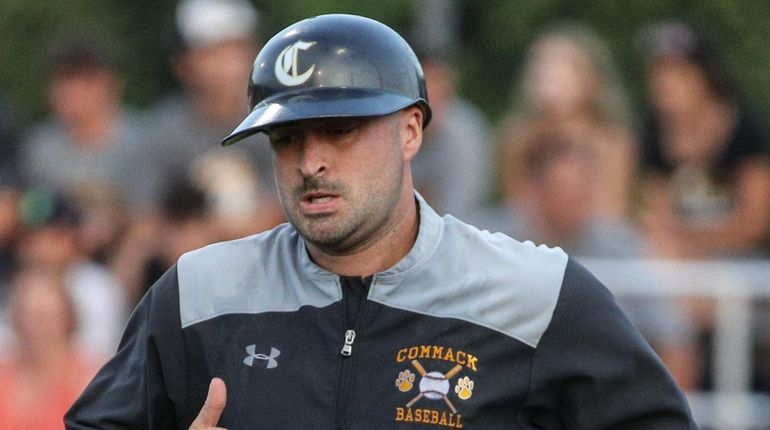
pixel 405 381
pixel 464 388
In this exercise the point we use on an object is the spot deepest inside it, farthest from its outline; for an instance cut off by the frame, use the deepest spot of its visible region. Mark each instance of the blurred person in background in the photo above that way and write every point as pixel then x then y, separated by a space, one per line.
pixel 567 154
pixel 452 170
pixel 570 86
pixel 568 160
pixel 10 228
pixel 706 168
pixel 92 146
pixel 42 371
pixel 187 222
pixel 706 165
pixel 50 242
pixel 554 206
pixel 555 200
pixel 215 48
pixel 10 189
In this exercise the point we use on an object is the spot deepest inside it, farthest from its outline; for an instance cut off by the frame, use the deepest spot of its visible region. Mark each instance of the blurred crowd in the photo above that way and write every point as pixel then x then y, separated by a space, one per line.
pixel 97 201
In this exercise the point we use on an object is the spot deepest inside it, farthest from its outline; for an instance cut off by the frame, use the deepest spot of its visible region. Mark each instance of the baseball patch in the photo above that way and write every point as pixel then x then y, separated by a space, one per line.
pixel 434 393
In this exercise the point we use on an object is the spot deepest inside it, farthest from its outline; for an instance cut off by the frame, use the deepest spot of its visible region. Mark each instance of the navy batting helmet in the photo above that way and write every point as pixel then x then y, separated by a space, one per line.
pixel 332 66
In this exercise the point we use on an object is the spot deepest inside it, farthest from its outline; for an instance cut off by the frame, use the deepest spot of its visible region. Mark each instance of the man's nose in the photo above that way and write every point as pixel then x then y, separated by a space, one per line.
pixel 315 155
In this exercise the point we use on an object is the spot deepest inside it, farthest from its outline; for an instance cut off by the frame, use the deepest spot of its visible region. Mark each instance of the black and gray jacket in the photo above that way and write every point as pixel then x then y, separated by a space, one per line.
pixel 470 330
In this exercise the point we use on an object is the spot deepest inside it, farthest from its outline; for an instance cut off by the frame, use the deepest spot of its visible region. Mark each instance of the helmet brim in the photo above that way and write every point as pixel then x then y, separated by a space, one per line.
pixel 322 103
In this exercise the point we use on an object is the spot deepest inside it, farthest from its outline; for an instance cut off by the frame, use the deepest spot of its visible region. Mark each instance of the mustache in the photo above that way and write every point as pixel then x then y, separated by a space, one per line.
pixel 314 184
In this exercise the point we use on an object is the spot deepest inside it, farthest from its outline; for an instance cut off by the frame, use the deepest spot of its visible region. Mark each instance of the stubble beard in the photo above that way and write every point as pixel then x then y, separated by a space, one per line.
pixel 366 216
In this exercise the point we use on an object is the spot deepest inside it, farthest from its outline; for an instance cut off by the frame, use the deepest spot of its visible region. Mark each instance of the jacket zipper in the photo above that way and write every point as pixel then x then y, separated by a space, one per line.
pixel 347 346
pixel 354 302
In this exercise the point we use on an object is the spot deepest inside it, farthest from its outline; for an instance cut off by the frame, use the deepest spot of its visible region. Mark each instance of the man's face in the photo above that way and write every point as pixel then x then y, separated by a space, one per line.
pixel 83 93
pixel 678 87
pixel 219 69
pixel 340 180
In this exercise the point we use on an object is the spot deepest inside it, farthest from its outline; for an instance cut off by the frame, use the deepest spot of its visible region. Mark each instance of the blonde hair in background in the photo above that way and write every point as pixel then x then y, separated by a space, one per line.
pixel 609 101
pixel 604 97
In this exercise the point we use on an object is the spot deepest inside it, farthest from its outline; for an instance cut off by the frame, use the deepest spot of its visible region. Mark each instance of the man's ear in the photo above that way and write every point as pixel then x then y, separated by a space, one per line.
pixel 411 129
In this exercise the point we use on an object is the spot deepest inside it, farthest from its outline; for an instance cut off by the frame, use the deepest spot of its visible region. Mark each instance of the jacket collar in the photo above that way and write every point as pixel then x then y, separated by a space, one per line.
pixel 429 235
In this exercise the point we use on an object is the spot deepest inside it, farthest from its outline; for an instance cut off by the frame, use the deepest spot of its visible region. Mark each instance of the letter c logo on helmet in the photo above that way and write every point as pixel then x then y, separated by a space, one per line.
pixel 286 65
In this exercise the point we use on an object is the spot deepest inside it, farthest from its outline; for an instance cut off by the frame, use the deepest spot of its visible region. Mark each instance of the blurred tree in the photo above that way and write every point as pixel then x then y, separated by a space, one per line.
pixel 493 38
pixel 132 30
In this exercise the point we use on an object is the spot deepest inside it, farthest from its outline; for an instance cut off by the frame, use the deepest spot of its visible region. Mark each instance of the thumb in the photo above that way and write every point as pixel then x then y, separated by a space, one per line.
pixel 212 409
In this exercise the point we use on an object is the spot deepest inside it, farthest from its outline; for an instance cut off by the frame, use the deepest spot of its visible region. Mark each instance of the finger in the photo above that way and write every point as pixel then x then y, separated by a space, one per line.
pixel 212 408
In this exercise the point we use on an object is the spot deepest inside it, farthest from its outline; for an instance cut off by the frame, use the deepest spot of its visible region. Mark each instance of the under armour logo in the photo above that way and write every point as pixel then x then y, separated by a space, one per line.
pixel 286 65
pixel 271 362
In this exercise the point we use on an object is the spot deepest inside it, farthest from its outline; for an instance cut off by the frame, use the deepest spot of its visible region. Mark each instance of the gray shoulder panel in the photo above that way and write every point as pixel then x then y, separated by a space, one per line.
pixel 261 273
pixel 486 279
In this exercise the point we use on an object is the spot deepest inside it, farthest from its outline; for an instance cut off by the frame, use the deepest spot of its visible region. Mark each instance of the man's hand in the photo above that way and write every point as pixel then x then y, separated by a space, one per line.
pixel 208 417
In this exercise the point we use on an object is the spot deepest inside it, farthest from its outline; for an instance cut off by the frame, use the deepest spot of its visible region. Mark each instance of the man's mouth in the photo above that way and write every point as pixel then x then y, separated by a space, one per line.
pixel 318 202
pixel 318 199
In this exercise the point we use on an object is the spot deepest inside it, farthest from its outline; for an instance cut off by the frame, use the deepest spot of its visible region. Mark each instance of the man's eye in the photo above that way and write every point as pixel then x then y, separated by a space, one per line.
pixel 282 139
pixel 340 131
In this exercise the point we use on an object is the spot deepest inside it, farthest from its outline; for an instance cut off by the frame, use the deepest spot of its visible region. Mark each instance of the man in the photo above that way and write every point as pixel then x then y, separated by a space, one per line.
pixel 216 45
pixel 92 144
pixel 368 310
pixel 92 149
pixel 50 240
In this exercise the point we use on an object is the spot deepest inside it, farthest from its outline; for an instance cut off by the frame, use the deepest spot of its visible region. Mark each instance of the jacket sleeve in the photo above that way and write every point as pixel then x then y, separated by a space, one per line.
pixel 132 390
pixel 593 370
